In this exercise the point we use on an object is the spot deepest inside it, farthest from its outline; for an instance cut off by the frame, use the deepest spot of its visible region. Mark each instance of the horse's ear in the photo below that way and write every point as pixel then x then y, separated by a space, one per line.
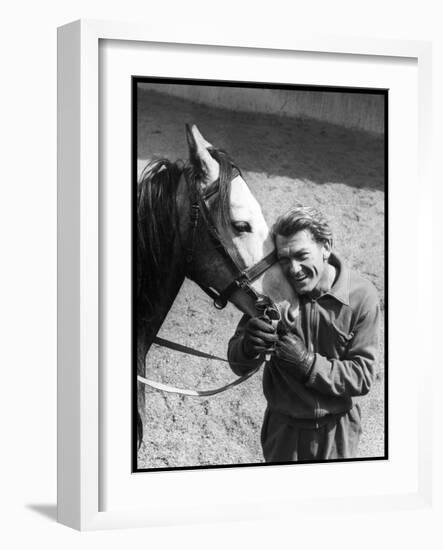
pixel 200 156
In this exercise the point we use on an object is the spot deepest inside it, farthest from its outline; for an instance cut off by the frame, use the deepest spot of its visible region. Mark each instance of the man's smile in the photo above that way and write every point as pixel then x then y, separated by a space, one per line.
pixel 302 273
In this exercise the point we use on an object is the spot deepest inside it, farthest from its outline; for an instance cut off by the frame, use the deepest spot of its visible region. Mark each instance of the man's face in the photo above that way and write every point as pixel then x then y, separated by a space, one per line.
pixel 303 260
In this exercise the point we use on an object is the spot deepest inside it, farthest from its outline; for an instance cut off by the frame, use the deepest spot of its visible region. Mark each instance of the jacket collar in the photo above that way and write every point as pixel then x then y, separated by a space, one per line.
pixel 340 288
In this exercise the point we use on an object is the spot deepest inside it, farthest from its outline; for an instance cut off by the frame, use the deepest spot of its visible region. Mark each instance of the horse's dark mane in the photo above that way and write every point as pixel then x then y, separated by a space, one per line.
pixel 157 220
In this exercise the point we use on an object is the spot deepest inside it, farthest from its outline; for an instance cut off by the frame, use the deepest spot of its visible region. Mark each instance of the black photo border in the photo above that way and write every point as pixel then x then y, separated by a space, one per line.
pixel 135 80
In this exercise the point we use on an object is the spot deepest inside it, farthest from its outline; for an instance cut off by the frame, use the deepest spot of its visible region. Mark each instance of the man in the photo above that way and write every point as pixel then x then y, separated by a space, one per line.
pixel 320 360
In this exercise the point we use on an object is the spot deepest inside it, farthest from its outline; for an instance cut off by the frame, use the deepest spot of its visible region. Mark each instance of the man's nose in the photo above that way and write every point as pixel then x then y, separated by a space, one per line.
pixel 295 267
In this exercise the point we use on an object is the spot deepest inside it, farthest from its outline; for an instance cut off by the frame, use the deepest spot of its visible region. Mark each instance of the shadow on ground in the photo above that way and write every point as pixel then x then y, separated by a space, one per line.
pixel 48 511
pixel 277 146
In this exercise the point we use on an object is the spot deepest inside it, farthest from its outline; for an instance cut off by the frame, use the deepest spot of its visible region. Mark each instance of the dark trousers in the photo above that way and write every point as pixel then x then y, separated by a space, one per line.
pixel 285 439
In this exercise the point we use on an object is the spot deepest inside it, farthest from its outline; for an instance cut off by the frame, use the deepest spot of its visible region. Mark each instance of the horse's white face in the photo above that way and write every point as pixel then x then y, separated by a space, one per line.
pixel 249 234
pixel 251 237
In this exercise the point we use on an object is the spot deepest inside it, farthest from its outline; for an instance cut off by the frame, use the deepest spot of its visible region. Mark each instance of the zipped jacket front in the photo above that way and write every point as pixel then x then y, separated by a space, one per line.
pixel 341 327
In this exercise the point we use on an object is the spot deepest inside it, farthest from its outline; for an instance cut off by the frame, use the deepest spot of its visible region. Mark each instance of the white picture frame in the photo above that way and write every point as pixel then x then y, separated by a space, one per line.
pixel 79 460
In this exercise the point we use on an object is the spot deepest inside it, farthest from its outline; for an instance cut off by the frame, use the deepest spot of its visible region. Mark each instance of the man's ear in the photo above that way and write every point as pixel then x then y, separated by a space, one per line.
pixel 327 249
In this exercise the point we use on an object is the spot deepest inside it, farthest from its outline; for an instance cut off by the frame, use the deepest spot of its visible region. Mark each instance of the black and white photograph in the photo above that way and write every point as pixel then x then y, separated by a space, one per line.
pixel 259 274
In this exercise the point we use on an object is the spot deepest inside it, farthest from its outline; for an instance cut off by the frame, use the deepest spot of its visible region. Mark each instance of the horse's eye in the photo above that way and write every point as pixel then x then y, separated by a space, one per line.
pixel 242 227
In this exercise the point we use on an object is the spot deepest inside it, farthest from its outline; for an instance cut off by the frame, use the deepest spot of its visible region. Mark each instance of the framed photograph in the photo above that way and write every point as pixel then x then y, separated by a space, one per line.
pixel 200 341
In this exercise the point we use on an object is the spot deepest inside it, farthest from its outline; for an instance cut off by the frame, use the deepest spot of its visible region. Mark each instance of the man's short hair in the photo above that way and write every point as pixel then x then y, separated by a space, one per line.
pixel 300 218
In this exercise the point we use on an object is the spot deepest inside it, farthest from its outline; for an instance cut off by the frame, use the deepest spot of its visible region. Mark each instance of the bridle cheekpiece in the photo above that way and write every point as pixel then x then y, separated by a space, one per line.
pixel 244 277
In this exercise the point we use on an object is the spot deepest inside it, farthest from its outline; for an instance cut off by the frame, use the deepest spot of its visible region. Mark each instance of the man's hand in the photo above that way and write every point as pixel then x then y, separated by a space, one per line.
pixel 260 337
pixel 292 353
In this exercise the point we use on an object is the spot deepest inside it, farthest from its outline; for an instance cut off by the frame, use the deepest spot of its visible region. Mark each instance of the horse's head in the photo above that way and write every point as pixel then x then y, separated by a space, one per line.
pixel 225 232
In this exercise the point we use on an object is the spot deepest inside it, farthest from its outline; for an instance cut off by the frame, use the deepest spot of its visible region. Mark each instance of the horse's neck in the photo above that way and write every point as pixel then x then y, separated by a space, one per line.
pixel 148 327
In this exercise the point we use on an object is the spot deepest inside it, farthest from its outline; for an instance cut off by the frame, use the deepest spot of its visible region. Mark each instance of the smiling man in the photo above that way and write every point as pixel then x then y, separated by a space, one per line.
pixel 323 358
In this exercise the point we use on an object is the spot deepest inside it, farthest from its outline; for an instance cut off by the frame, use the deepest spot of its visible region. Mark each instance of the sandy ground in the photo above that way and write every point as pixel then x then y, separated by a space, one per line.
pixel 285 162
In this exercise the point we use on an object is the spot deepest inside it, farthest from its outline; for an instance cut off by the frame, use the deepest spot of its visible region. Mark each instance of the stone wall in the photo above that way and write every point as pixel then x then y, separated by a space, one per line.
pixel 352 110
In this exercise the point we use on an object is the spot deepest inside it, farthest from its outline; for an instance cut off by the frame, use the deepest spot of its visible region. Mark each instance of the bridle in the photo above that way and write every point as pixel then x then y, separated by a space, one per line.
pixel 244 277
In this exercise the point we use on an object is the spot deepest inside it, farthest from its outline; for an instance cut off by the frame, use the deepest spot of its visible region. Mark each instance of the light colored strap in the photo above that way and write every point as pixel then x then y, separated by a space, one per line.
pixel 195 393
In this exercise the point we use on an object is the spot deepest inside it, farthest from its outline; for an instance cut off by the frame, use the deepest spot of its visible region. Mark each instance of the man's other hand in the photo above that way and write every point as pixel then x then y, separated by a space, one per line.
pixel 291 352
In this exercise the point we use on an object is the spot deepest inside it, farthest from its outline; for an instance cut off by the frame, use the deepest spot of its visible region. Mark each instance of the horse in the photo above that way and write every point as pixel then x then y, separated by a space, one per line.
pixel 199 219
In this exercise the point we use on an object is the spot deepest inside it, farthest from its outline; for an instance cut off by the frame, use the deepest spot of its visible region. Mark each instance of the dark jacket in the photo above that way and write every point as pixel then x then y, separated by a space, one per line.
pixel 341 327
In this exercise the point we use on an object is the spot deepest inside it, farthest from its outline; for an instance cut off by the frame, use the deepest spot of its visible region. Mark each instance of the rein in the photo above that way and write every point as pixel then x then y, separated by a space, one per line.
pixel 191 351
pixel 242 281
